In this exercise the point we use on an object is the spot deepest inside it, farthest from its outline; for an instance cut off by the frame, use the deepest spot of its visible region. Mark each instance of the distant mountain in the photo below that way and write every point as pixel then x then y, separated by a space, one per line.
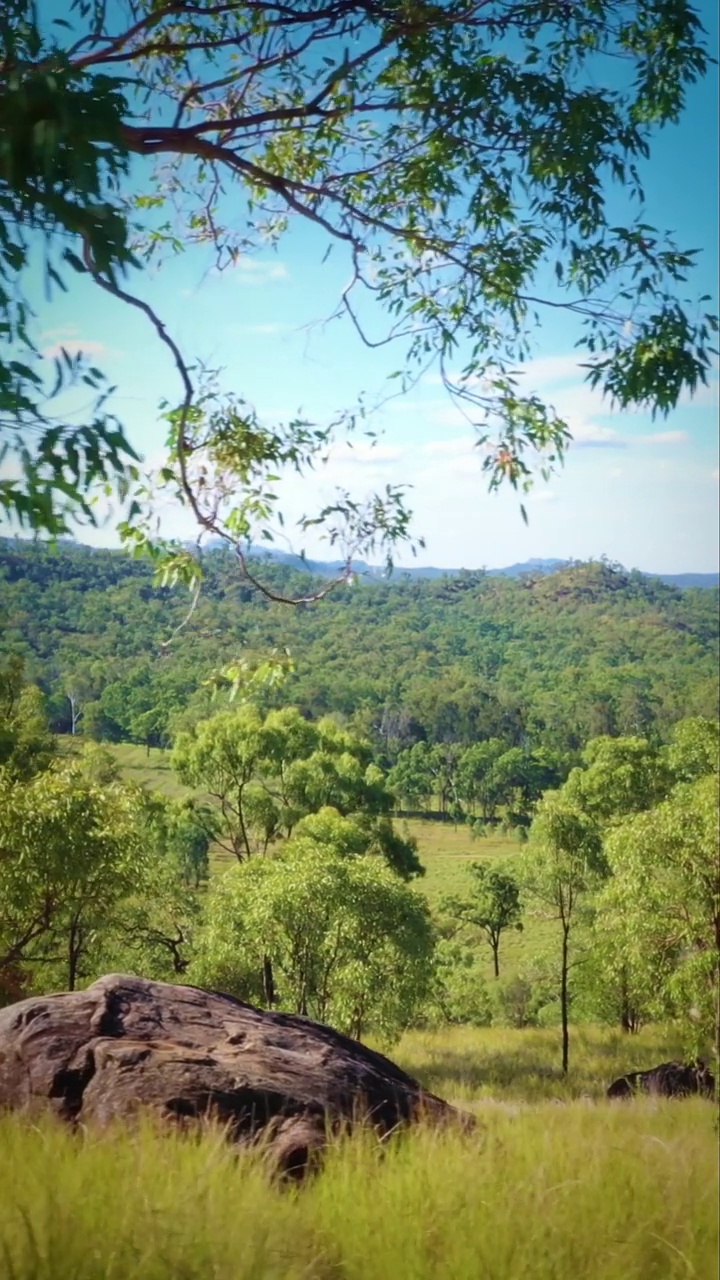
pixel 529 566
pixel 688 579
pixel 328 568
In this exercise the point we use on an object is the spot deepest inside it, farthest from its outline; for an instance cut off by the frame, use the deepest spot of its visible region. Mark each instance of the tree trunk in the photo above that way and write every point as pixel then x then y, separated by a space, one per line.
pixel 628 1019
pixel 247 851
pixel 495 943
pixel 74 945
pixel 268 982
pixel 75 714
pixel 564 999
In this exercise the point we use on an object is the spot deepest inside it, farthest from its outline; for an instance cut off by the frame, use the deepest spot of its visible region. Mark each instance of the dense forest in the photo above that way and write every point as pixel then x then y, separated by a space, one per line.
pixel 573 713
pixel 546 661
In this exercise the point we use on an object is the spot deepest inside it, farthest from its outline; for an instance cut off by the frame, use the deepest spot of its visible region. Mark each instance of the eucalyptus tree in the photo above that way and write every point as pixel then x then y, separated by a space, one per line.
pixel 465 158
pixel 70 851
pixel 265 774
pixel 347 942
pixel 491 905
pixel 563 866
pixel 662 907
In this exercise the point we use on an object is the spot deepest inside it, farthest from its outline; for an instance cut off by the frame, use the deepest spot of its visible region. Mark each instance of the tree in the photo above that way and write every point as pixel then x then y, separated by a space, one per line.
pixel 517 779
pixel 153 930
pixel 364 833
pixel 26 744
pixel 94 874
pixel 459 155
pixel 695 749
pixel 492 905
pixel 475 774
pixel 70 850
pixel 458 993
pixel 349 943
pixel 265 774
pixel 621 776
pixel 79 687
pixel 564 863
pixel 662 906
pixel 179 831
pixel 411 778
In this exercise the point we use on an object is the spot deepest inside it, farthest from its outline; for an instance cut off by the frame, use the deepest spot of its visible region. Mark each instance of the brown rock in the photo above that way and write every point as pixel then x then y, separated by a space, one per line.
pixel 187 1055
pixel 669 1080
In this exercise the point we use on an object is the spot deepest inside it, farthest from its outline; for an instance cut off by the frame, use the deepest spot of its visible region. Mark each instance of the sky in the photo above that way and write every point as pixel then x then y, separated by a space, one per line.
pixel 642 492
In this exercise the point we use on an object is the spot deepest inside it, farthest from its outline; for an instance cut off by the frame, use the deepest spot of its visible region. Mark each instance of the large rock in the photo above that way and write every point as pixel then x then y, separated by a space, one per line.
pixel 126 1044
pixel 669 1080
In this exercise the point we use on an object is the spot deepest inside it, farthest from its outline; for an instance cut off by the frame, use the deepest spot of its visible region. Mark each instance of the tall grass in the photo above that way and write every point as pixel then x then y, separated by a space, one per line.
pixel 581 1192
pixel 472 1066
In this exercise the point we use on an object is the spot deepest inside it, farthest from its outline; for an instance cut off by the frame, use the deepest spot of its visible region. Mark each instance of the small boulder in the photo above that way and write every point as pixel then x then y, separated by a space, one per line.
pixel 187 1055
pixel 669 1080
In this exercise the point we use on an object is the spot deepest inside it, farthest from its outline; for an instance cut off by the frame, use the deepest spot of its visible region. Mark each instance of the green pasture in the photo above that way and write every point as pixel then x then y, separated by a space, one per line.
pixel 542 1190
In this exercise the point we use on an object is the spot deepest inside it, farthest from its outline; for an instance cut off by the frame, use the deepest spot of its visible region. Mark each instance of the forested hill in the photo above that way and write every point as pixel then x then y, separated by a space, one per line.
pixel 551 660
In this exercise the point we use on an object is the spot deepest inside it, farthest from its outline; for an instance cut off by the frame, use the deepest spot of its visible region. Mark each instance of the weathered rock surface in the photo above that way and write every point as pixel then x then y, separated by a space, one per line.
pixel 669 1080
pixel 185 1054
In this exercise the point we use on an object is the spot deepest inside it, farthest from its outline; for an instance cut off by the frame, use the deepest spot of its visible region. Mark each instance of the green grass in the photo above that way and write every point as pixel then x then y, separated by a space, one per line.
pixel 472 1066
pixel 584 1191
pixel 447 852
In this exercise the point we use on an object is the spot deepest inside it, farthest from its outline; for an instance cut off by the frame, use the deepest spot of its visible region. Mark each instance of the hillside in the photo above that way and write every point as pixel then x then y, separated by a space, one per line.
pixel 552 659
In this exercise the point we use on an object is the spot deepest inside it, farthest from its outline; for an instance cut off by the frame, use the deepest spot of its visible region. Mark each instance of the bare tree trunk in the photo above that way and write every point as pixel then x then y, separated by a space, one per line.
pixel 268 982
pixel 74 947
pixel 564 1001
pixel 75 714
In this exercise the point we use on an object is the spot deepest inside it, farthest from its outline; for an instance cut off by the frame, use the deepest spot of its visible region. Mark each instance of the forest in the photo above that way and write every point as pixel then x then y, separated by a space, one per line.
pixel 538 662
pixel 561 730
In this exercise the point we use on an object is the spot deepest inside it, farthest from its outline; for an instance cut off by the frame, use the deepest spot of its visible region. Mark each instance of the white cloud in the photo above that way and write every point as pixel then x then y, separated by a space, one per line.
pixel 74 346
pixel 260 270
pixel 591 435
pixel 662 437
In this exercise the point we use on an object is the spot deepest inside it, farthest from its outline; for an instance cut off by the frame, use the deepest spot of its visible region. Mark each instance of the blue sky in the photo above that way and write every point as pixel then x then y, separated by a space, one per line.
pixel 639 491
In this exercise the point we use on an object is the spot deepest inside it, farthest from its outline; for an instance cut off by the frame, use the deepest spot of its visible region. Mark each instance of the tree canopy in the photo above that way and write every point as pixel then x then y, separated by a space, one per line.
pixel 481 663
pixel 349 943
pixel 461 156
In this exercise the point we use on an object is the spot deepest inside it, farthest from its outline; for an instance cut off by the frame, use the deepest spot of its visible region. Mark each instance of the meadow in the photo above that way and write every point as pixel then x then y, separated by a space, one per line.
pixel 555 1182
pixel 545 1189
pixel 446 850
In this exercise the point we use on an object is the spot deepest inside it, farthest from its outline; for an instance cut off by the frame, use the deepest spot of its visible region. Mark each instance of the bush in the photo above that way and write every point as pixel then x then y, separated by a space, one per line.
pixel 459 992
pixel 516 1002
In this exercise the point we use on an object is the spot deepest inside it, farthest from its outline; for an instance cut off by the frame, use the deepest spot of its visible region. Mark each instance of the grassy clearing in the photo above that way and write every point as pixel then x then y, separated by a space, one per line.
pixel 581 1192
pixel 445 849
pixel 472 1066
